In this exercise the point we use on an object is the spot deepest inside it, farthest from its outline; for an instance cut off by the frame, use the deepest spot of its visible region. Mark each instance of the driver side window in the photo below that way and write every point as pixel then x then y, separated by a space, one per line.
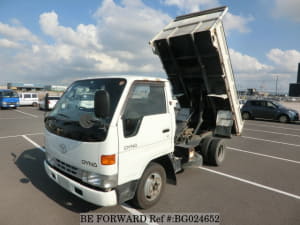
pixel 144 99
pixel 271 105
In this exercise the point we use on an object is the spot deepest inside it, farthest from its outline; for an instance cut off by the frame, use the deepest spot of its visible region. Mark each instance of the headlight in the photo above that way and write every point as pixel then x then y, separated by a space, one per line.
pixel 98 180
pixel 4 103
pixel 291 112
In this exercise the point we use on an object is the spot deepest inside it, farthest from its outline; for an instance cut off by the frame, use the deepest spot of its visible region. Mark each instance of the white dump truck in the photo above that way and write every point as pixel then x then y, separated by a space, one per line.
pixel 114 139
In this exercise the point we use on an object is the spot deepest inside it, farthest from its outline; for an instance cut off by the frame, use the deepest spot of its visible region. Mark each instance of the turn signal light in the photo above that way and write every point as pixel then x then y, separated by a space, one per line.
pixel 108 159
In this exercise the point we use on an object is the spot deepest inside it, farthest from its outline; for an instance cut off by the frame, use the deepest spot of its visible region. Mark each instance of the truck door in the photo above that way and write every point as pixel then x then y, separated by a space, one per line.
pixel 144 129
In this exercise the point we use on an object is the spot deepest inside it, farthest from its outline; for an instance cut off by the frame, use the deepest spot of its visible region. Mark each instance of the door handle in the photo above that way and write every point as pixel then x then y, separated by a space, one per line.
pixel 166 130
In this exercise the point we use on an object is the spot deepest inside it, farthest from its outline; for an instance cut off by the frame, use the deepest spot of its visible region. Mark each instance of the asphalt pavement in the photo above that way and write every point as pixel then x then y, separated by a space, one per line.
pixel 259 182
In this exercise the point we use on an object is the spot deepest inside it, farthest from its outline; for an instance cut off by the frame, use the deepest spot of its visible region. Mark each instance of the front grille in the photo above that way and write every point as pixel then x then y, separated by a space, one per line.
pixel 67 168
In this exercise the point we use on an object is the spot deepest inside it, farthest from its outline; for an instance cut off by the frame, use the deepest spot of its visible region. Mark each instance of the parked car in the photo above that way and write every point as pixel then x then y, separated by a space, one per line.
pixel 29 99
pixel 267 109
pixel 48 102
pixel 9 99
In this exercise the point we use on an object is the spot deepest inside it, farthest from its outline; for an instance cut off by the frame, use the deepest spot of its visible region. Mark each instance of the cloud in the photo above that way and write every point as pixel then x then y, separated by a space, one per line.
pixel 8 44
pixel 17 33
pixel 125 30
pixel 239 23
pixel 285 61
pixel 245 63
pixel 251 73
pixel 83 36
pixel 287 9
pixel 189 6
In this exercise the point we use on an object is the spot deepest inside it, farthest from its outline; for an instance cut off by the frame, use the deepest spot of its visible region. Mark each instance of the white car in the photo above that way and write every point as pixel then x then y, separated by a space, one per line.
pixel 48 102
pixel 28 99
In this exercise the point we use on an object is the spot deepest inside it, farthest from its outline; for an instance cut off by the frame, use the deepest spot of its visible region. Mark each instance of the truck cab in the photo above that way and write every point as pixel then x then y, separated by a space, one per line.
pixel 120 138
pixel 100 152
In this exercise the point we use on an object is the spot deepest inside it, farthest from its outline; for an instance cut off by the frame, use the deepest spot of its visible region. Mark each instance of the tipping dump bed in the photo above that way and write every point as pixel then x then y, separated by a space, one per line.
pixel 194 54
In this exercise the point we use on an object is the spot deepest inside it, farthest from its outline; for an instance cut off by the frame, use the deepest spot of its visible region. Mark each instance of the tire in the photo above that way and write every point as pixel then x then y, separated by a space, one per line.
pixel 216 153
pixel 204 149
pixel 283 119
pixel 150 186
pixel 246 116
pixel 34 104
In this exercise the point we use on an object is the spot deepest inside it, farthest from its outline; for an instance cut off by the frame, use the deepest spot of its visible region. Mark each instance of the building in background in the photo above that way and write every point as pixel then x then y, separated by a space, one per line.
pixel 58 88
pixel 25 87
pixel 294 90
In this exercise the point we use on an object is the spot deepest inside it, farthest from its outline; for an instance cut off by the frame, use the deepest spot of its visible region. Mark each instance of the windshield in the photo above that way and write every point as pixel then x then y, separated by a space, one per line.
pixel 9 94
pixel 277 104
pixel 73 116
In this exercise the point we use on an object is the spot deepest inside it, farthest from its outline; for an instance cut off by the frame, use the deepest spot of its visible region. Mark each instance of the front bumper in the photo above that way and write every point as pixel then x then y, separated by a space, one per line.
pixel 294 117
pixel 88 194
pixel 10 105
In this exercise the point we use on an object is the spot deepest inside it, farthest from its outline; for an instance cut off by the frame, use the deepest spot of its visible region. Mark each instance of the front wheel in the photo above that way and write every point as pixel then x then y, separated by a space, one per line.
pixel 283 119
pixel 150 187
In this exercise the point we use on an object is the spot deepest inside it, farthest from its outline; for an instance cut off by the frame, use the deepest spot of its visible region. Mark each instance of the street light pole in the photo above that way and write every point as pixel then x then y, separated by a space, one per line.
pixel 276 87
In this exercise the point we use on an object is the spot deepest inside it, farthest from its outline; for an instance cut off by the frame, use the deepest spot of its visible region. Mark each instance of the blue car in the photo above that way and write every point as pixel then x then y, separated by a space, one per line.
pixel 9 99
pixel 267 109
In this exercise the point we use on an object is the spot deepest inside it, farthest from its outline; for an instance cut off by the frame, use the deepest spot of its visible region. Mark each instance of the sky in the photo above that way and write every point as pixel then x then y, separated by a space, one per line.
pixel 59 41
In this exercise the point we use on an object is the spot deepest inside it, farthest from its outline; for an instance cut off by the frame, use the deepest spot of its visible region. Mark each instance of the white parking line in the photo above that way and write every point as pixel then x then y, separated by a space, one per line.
pixel 28 114
pixel 16 118
pixel 259 154
pixel 277 142
pixel 19 135
pixel 252 183
pixel 279 127
pixel 34 143
pixel 271 132
pixel 136 212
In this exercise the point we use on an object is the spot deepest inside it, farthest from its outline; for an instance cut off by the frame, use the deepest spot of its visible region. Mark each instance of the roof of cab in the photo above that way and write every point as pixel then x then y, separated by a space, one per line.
pixel 130 78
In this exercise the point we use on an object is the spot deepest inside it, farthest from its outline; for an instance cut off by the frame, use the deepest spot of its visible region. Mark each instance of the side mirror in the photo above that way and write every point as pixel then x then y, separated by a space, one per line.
pixel 102 104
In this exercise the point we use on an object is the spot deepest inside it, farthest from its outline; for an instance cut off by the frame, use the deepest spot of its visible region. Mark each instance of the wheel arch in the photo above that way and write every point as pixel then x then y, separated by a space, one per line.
pixel 166 162
pixel 283 114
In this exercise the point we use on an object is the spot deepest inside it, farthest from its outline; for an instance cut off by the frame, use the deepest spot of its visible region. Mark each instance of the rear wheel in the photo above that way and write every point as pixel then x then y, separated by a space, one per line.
pixel 205 148
pixel 150 187
pixel 283 119
pixel 246 116
pixel 34 104
pixel 216 153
